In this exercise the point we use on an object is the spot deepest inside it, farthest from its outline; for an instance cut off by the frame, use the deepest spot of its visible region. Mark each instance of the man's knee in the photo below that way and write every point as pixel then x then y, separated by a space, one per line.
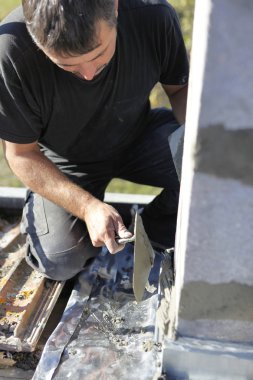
pixel 60 266
pixel 58 243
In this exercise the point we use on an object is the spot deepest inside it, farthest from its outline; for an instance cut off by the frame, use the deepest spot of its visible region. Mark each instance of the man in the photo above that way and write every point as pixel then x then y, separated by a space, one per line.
pixel 75 78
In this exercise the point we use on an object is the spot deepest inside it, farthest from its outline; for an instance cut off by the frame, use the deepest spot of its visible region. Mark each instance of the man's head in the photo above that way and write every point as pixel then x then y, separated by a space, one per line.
pixel 73 32
pixel 68 27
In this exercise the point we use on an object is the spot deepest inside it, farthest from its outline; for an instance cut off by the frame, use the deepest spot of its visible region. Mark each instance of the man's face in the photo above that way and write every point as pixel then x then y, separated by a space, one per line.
pixel 88 65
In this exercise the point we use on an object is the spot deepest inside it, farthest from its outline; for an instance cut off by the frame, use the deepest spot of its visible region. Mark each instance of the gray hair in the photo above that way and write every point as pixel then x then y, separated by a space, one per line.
pixel 67 27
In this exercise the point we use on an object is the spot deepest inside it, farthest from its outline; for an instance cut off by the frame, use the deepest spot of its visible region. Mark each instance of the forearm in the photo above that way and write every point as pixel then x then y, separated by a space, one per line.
pixel 40 175
pixel 178 102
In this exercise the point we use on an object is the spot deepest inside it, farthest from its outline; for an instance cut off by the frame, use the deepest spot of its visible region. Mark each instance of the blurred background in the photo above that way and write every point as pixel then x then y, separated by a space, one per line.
pixel 185 10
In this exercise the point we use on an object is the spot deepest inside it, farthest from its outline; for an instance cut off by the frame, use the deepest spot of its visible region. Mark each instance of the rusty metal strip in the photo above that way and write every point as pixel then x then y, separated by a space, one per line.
pixel 26 297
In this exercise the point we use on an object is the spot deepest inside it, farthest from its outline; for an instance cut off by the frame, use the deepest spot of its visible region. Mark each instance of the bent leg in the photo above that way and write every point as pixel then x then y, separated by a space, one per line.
pixel 150 162
pixel 58 243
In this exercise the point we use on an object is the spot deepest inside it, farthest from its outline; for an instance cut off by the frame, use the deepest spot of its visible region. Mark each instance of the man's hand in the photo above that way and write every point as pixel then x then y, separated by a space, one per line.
pixel 104 223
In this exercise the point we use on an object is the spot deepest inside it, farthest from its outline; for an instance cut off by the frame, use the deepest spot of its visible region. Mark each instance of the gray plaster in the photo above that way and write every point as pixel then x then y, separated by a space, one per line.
pixel 227 96
pixel 232 301
pixel 219 236
pixel 219 252
pixel 210 360
pixel 214 249
pixel 225 153
pixel 143 258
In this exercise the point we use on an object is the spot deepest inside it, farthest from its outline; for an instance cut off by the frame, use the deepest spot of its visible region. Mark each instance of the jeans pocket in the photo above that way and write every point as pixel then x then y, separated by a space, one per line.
pixel 34 221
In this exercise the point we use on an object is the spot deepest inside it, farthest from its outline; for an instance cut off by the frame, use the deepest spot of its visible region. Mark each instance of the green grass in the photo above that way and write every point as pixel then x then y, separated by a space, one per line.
pixel 6 6
pixel 120 186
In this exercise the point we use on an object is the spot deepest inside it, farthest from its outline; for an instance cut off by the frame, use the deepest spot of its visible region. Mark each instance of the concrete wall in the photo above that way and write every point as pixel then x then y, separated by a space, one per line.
pixel 214 250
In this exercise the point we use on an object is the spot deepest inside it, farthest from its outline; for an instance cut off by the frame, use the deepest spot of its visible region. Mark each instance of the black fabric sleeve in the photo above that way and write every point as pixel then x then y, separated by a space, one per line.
pixel 174 60
pixel 19 114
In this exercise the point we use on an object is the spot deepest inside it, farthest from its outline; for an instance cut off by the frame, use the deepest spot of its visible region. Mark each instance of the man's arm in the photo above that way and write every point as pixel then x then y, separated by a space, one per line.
pixel 178 100
pixel 39 174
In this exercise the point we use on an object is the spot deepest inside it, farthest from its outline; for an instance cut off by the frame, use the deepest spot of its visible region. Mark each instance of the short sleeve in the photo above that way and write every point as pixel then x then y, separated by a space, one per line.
pixel 20 120
pixel 174 60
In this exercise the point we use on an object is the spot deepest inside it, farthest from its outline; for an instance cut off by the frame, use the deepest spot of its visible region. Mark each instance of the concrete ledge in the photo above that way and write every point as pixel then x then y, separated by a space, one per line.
pixel 13 198
pixel 186 359
pixel 128 198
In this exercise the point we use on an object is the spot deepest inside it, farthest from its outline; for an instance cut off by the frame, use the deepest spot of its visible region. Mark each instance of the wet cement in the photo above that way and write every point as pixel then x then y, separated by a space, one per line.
pixel 230 301
pixel 225 153
pixel 164 315
pixel 143 259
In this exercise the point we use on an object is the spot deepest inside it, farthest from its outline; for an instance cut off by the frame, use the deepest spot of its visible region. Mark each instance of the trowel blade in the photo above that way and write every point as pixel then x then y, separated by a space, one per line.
pixel 143 258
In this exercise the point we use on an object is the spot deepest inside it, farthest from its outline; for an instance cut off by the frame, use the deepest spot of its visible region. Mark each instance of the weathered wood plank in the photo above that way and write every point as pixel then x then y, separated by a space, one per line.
pixel 26 297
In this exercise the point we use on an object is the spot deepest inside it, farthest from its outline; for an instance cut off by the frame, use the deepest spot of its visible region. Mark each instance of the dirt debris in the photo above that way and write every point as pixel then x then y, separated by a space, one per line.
pixel 149 345
pixel 118 341
pixel 117 320
pixel 24 360
pixel 27 360
pixel 160 377
pixel 7 329
pixel 6 360
pixel 166 280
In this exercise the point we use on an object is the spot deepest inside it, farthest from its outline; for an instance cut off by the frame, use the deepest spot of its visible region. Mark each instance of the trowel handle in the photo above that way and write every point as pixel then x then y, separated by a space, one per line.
pixel 124 240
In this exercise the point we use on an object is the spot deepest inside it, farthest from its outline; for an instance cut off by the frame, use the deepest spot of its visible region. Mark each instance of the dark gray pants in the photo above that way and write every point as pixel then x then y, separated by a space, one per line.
pixel 58 244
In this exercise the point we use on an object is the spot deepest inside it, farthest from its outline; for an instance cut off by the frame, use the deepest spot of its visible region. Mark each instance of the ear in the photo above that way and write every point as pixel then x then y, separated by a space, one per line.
pixel 116 7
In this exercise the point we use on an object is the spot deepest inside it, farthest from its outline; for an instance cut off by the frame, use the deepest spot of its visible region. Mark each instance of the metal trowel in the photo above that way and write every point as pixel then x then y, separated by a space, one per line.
pixel 143 257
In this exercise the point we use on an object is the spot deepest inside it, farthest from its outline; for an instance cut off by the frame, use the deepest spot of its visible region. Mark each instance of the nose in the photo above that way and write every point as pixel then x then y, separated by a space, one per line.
pixel 88 71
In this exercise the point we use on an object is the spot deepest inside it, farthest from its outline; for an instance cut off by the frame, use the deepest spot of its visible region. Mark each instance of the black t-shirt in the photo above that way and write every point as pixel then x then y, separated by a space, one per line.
pixel 87 121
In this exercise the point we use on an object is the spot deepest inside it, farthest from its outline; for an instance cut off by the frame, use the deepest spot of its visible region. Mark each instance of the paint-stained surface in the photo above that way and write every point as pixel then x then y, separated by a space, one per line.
pixel 231 301
pixel 143 259
pixel 26 297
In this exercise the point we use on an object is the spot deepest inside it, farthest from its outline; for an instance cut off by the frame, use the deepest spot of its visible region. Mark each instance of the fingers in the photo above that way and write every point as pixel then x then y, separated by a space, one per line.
pixel 107 239
pixel 121 232
pixel 104 223
pixel 117 229
pixel 113 247
pixel 111 244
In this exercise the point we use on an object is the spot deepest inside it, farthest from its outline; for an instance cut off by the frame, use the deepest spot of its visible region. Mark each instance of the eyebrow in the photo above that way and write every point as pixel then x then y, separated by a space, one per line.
pixel 93 59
